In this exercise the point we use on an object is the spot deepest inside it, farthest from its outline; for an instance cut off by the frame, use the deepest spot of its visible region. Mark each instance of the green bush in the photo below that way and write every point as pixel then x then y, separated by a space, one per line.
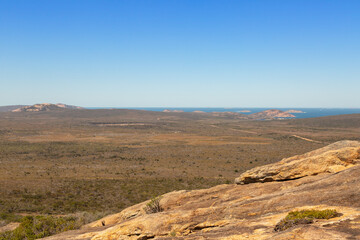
pixel 312 213
pixel 39 226
pixel 304 217
pixel 153 206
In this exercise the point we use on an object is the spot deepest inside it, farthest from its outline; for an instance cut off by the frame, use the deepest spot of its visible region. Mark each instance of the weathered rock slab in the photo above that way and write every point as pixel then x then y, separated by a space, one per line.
pixel 330 159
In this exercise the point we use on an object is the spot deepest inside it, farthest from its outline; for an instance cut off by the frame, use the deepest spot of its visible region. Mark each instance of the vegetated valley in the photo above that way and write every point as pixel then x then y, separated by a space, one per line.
pixel 90 163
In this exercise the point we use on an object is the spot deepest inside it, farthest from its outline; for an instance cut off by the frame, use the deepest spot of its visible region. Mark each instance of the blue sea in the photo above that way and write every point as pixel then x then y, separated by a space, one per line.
pixel 308 112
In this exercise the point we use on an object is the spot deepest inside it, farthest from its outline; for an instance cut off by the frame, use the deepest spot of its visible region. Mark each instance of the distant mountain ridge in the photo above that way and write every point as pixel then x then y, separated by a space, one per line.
pixel 264 115
pixel 43 107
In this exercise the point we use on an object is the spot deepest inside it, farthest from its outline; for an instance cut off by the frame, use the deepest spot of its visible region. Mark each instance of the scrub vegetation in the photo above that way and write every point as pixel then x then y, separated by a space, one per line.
pixel 153 206
pixel 306 216
pixel 34 227
pixel 102 161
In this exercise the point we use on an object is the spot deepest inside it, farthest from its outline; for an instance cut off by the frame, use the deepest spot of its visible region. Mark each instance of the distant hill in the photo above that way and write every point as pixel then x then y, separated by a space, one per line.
pixel 43 107
pixel 68 106
pixel 294 111
pixel 264 115
pixel 271 114
pixel 10 108
pixel 174 111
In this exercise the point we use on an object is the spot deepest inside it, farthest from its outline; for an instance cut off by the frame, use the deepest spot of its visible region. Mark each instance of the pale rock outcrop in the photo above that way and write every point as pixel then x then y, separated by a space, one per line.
pixel 271 114
pixel 44 107
pixel 330 159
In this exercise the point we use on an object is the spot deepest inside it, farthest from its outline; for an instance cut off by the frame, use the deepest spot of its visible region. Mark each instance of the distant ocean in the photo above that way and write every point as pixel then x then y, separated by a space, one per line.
pixel 308 112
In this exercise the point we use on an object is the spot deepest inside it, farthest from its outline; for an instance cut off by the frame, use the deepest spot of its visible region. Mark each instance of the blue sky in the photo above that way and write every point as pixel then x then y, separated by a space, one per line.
pixel 185 53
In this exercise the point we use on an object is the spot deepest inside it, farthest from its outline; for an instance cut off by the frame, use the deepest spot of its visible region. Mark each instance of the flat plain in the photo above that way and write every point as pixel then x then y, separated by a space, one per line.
pixel 101 161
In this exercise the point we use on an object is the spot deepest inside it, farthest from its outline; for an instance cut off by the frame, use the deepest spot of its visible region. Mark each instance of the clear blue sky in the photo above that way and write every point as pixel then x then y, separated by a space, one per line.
pixel 185 53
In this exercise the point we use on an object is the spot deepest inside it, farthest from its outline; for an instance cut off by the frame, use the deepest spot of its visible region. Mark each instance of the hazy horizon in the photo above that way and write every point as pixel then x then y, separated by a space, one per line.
pixel 172 107
pixel 304 54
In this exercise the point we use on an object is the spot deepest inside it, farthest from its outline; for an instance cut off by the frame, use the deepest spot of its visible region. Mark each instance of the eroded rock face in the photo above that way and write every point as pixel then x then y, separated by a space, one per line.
pixel 330 159
pixel 245 211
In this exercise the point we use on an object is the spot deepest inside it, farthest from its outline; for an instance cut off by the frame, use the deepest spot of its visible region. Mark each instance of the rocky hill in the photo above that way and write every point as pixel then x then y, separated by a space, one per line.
pixel 271 114
pixel 45 107
pixel 327 178
pixel 333 158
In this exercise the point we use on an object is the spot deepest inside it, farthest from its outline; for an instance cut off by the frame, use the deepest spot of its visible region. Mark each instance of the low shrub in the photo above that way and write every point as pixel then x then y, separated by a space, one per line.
pixel 306 216
pixel 153 206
